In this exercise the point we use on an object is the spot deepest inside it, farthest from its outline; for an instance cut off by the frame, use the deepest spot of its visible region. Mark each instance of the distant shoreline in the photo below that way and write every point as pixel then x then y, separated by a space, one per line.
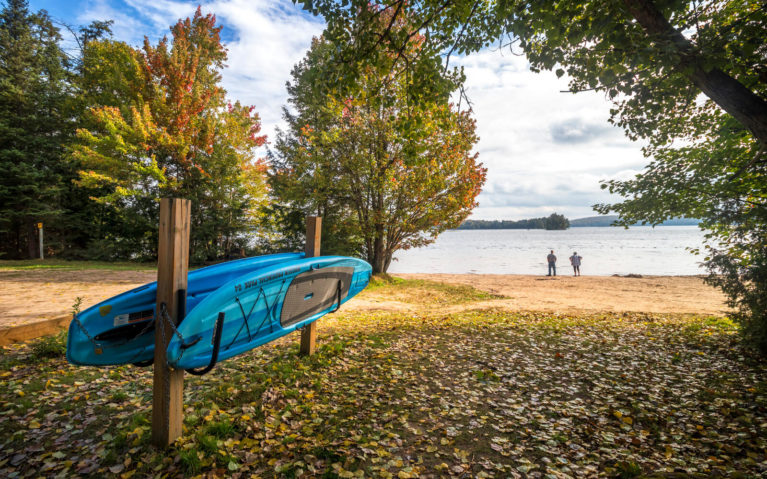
pixel 578 226
pixel 590 221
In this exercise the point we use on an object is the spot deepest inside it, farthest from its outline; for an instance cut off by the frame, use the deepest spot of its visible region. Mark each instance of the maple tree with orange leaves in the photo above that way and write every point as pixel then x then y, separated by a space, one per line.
pixel 168 130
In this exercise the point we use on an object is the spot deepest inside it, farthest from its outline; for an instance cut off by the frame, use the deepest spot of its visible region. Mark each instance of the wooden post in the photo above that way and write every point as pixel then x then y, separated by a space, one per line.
pixel 172 267
pixel 312 249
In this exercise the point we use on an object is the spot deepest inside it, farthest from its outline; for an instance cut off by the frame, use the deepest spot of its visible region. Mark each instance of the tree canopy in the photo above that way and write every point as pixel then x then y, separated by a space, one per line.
pixel 652 56
pixel 90 139
pixel 389 170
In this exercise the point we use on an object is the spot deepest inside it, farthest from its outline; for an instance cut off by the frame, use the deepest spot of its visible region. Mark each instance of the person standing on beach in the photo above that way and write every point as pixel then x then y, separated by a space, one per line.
pixel 575 260
pixel 552 263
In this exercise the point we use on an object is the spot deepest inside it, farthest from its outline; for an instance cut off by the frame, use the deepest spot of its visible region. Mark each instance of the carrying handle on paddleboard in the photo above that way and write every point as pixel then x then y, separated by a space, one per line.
pixel 216 345
pixel 338 304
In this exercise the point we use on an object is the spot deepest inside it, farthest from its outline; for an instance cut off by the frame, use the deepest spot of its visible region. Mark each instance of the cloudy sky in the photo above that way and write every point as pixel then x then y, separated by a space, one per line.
pixel 545 151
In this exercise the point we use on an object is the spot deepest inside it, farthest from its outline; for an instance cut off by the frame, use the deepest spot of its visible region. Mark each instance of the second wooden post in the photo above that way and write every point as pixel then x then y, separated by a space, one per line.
pixel 312 249
pixel 172 268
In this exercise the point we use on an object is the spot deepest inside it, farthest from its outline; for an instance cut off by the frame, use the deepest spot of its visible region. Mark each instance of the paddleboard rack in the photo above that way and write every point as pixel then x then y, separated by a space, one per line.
pixel 216 341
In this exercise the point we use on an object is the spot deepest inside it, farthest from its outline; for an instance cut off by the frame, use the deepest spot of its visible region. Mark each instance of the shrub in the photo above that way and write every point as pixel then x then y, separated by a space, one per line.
pixel 50 347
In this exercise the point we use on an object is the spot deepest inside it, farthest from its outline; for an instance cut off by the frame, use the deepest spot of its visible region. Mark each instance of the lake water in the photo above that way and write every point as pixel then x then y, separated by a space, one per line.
pixel 606 251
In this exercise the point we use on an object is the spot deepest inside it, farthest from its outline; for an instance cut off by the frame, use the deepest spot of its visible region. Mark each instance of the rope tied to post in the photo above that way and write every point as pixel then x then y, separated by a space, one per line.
pixel 96 346
pixel 165 317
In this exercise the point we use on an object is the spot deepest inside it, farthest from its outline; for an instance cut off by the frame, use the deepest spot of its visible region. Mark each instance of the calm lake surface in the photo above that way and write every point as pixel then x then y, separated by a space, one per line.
pixel 607 250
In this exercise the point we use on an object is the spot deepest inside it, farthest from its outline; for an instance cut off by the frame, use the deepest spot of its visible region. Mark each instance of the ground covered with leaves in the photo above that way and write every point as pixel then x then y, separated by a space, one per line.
pixel 470 394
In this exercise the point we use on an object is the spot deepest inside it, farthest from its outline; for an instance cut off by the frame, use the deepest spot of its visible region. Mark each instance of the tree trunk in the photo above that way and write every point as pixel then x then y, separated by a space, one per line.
pixel 378 256
pixel 727 92
pixel 387 261
pixel 32 252
pixel 379 250
pixel 17 248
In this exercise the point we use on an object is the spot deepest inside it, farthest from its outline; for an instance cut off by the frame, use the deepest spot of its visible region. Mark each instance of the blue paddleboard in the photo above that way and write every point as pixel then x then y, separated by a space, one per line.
pixel 264 305
pixel 121 329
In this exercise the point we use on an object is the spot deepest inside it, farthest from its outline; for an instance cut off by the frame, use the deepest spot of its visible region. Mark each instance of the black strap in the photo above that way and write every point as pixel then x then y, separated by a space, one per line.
pixel 181 297
pixel 192 343
pixel 216 344
pixel 143 364
pixel 269 310
pixel 338 304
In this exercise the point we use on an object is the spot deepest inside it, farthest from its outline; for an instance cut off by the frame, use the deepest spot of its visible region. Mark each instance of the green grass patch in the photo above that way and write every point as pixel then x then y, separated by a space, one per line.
pixel 713 324
pixel 425 291
pixel 50 347
pixel 64 265
pixel 190 461
pixel 220 429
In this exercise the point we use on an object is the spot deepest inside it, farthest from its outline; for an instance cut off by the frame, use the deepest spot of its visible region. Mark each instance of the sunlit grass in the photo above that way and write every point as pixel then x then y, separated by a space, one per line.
pixel 59 264
pixel 425 291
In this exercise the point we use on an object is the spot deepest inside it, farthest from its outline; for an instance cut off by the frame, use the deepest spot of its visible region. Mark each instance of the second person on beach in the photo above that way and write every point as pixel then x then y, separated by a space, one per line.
pixel 575 260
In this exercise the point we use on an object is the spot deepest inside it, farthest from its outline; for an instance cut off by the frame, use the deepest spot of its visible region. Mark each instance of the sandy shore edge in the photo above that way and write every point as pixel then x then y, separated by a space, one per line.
pixel 31 296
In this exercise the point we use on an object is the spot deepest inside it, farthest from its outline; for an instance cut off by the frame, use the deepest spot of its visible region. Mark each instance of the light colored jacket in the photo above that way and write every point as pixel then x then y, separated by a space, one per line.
pixel 575 260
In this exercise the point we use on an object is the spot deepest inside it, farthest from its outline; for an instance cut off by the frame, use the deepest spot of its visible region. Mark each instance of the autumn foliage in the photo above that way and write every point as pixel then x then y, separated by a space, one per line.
pixel 171 132
pixel 387 170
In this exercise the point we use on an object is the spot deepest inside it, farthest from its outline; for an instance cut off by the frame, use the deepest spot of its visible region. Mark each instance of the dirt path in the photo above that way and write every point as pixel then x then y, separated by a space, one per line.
pixel 30 296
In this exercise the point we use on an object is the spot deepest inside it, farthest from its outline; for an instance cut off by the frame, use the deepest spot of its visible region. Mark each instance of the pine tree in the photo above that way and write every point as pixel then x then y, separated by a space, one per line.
pixel 33 126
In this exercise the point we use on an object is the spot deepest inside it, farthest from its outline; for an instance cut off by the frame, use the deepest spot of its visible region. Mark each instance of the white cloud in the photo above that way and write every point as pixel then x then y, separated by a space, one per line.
pixel 126 27
pixel 272 36
pixel 161 13
pixel 545 150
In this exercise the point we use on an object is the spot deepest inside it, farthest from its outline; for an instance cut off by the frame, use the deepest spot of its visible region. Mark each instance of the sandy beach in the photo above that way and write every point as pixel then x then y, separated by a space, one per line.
pixel 30 296
pixel 567 294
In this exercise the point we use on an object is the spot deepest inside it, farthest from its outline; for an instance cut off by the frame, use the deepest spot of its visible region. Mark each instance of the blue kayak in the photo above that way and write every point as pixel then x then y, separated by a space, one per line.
pixel 264 305
pixel 120 330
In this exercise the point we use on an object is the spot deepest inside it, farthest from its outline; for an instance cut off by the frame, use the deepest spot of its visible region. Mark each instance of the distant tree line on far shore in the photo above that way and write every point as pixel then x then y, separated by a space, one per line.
pixel 559 222
pixel 552 222
pixel 611 220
